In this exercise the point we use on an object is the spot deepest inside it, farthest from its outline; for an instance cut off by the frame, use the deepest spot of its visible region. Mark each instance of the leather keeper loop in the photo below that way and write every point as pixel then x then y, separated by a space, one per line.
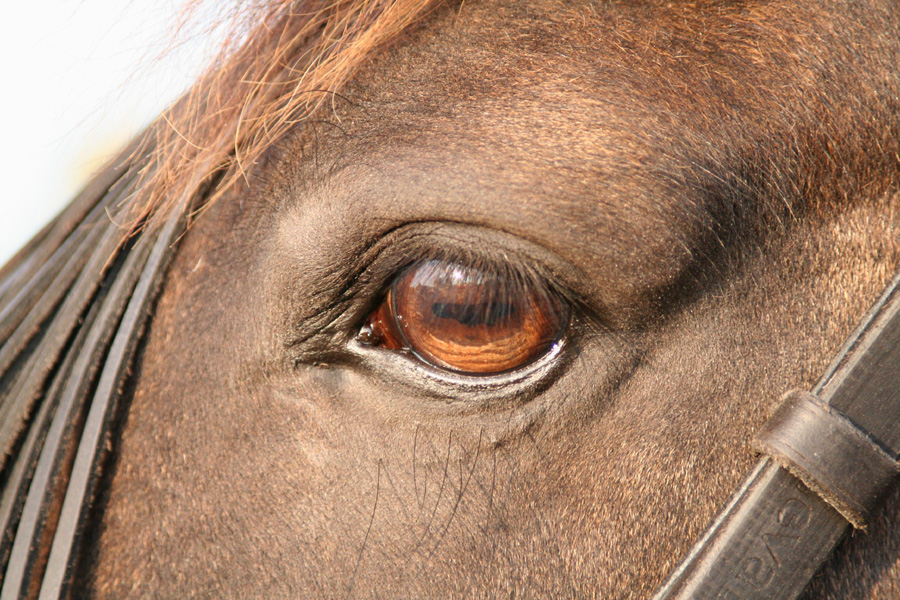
pixel 830 454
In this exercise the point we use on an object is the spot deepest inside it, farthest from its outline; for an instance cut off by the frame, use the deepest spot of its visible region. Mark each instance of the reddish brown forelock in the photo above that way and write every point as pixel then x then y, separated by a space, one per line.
pixel 280 61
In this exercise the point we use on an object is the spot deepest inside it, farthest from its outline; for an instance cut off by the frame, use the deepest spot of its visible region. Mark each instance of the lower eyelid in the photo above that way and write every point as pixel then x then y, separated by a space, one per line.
pixel 400 368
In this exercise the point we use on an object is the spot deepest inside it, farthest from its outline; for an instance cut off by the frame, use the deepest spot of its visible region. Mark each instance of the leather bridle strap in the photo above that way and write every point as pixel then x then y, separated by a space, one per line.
pixel 831 462
pixel 74 307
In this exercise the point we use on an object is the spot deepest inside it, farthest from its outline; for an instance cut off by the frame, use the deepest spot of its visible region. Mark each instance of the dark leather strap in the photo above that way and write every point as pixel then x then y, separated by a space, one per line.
pixel 843 441
pixel 150 264
pixel 843 463
pixel 72 313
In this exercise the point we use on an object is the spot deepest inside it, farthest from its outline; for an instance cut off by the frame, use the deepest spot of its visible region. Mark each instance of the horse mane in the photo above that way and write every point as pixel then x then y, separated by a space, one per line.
pixel 280 61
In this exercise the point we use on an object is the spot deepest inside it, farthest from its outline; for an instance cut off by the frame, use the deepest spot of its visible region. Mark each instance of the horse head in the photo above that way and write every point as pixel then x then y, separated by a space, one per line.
pixel 500 315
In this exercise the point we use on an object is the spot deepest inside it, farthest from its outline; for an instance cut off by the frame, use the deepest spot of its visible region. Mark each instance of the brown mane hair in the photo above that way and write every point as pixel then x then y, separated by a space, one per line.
pixel 280 61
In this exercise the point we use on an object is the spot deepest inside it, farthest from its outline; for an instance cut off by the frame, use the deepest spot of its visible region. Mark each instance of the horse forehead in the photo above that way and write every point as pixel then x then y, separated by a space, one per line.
pixel 564 96
pixel 578 57
pixel 612 118
pixel 544 120
pixel 551 79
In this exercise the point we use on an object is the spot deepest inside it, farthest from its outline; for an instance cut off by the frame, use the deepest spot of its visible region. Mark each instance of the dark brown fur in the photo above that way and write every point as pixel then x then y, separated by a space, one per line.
pixel 715 182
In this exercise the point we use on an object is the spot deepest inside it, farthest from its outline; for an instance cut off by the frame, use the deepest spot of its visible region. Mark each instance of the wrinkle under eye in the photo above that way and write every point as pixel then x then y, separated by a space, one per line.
pixel 466 319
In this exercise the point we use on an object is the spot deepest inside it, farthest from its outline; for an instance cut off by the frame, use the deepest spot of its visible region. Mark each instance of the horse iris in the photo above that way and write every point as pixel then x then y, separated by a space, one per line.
pixel 465 319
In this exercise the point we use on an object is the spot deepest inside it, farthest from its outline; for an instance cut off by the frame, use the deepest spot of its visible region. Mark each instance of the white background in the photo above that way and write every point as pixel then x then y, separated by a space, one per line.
pixel 78 78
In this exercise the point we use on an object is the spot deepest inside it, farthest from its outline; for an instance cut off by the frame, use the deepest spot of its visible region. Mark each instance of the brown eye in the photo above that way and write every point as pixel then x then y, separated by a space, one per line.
pixel 465 319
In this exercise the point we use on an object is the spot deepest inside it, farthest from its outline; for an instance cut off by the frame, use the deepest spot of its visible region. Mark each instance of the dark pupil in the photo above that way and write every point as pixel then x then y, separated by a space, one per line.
pixel 472 315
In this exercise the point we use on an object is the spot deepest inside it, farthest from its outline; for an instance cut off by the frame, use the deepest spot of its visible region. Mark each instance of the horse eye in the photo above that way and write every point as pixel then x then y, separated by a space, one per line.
pixel 465 319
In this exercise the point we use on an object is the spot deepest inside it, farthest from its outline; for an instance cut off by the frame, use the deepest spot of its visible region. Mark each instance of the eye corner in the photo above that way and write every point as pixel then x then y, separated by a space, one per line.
pixel 379 330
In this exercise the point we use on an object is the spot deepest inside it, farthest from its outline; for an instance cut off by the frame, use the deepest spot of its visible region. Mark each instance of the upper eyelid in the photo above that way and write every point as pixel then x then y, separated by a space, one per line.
pixel 401 249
